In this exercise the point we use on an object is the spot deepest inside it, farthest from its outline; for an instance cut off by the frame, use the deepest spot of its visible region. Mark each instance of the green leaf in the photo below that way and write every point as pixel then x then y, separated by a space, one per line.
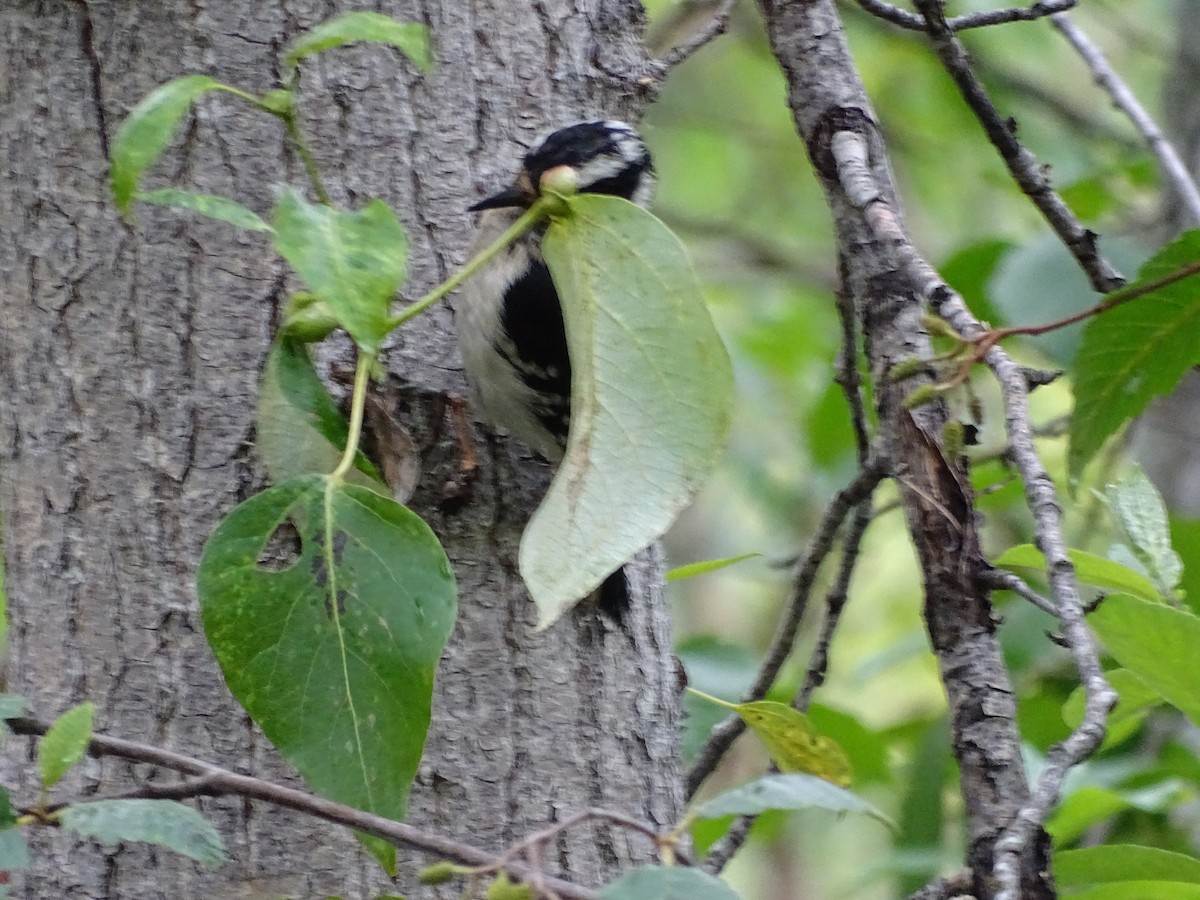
pixel 14 852
pixel 1123 862
pixel 163 822
pixel 1138 890
pixel 8 816
pixel 1142 515
pixel 1136 700
pixel 666 883
pixel 354 261
pixel 650 397
pixel 679 573
pixel 1089 568
pixel 410 38
pixel 334 654
pixel 65 743
pixel 12 706
pixel 1157 643
pixel 221 208
pixel 504 888
pixel 790 739
pixel 299 428
pixel 1135 352
pixel 787 792
pixel 1091 805
pixel 147 130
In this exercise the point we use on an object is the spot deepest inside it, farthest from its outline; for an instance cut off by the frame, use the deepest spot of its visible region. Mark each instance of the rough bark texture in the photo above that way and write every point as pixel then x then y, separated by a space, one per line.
pixel 827 98
pixel 128 367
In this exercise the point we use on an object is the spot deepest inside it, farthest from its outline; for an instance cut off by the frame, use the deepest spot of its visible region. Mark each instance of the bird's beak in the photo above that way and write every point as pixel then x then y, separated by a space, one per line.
pixel 510 196
pixel 519 193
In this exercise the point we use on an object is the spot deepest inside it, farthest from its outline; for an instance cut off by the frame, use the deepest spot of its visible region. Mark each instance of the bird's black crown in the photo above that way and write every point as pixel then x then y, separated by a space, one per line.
pixel 607 158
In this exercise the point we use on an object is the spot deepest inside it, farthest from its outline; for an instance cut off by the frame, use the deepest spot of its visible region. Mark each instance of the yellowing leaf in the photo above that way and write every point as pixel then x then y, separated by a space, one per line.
pixel 791 740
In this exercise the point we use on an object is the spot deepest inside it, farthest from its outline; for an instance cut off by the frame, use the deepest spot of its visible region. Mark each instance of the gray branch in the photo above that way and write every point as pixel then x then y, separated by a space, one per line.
pixel 1123 98
pixel 213 781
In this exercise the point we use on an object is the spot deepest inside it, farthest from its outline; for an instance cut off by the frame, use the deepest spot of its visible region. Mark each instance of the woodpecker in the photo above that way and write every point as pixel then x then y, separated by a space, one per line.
pixel 510 321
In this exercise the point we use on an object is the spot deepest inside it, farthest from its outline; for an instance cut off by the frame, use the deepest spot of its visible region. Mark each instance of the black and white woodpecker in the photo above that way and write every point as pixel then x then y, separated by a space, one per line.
pixel 510 323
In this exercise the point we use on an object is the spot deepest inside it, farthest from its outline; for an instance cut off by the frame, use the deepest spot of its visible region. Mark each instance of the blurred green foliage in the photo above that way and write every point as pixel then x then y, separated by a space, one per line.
pixel 737 185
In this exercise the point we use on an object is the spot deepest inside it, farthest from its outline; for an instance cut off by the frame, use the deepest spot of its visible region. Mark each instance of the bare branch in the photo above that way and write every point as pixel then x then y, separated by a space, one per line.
pixel 835 602
pixel 1041 497
pixel 1028 173
pixel 947 888
pixel 723 850
pixel 905 19
pixel 1123 98
pixel 1007 581
pixel 1042 500
pixel 712 28
pixel 213 781
pixel 725 733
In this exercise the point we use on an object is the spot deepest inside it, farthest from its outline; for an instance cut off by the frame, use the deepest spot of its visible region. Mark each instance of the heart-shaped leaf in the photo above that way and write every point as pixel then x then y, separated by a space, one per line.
pixel 333 654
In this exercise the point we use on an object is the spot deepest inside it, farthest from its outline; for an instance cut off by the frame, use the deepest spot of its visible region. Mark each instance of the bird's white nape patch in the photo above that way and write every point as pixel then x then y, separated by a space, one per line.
pixel 600 168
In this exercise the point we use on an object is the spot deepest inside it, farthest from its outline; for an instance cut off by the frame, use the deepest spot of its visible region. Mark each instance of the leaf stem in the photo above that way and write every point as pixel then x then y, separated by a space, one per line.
pixel 528 219
pixel 358 400
pixel 306 156
pixel 288 117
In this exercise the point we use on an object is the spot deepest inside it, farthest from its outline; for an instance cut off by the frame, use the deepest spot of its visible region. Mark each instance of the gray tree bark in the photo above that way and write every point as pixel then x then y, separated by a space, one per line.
pixel 129 358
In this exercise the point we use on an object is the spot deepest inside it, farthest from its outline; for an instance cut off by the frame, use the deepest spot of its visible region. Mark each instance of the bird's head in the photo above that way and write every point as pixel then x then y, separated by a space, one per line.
pixel 602 158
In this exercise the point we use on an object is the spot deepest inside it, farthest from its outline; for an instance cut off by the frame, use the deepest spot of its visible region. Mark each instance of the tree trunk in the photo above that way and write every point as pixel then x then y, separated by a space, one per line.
pixel 129 359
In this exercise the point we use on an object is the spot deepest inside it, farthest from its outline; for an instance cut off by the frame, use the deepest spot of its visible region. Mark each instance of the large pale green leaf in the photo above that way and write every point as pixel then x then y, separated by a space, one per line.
pixel 12 706
pixel 14 852
pixel 1123 862
pixel 667 883
pixel 299 429
pixel 334 654
pixel 1092 804
pixel 651 388
pixel 789 792
pixel 65 743
pixel 1136 699
pixel 1089 568
pixel 1135 352
pixel 147 130
pixel 1142 515
pixel 163 822
pixel 354 261
pixel 1138 890
pixel 1156 642
pixel 409 37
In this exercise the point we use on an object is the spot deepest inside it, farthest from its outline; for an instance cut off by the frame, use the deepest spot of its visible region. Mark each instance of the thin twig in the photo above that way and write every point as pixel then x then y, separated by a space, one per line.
pixel 835 602
pixel 946 888
pixel 723 850
pixel 725 733
pixel 1007 581
pixel 213 781
pixel 1024 167
pixel 913 22
pixel 713 28
pixel 1123 98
